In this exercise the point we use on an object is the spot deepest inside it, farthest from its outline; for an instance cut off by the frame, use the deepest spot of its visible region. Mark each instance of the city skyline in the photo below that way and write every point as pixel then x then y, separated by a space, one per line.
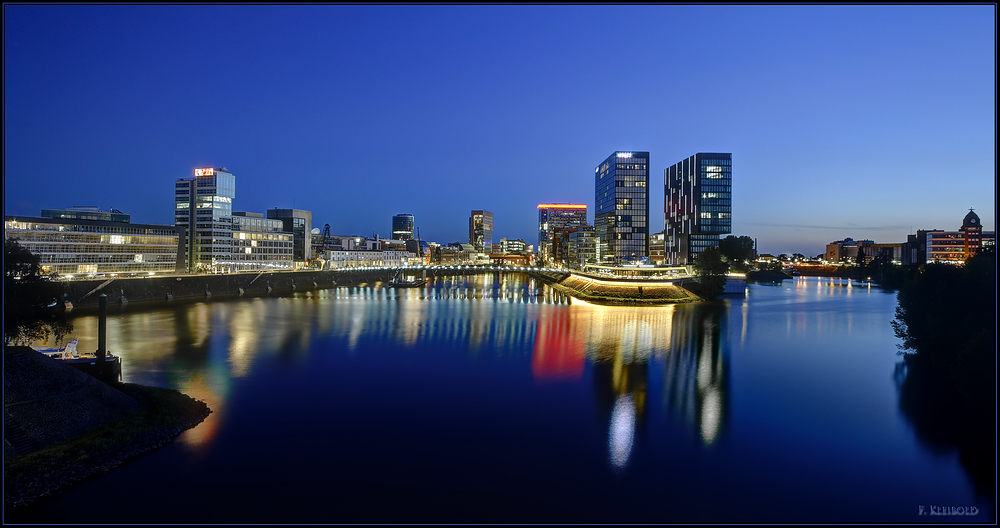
pixel 872 134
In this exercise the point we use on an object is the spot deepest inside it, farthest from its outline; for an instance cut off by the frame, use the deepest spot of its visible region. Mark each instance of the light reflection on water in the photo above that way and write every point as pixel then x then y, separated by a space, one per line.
pixel 453 378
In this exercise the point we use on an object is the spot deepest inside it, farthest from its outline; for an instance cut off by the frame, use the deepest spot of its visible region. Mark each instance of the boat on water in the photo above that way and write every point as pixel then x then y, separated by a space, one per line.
pixel 70 354
pixel 398 281
pixel 407 284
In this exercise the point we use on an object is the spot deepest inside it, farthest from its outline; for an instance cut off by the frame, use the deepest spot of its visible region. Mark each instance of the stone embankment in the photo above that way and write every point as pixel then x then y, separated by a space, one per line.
pixel 51 411
pixel 158 288
pixel 615 291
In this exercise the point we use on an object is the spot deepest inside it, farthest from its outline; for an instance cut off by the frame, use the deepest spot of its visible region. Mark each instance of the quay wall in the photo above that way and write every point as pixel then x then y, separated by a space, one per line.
pixel 122 289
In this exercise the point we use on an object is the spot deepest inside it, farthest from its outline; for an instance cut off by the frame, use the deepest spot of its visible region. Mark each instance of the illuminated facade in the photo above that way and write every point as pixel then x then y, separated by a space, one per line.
pixel 80 247
pixel 657 242
pixel 203 207
pixel 511 246
pixel 299 224
pixel 259 244
pixel 580 247
pixel 698 205
pixel 360 258
pixel 481 230
pixel 972 234
pixel 402 227
pixel 948 247
pixel 554 219
pixel 621 218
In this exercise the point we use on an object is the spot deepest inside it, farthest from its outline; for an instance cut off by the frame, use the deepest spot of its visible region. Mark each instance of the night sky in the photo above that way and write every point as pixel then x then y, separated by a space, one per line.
pixel 843 121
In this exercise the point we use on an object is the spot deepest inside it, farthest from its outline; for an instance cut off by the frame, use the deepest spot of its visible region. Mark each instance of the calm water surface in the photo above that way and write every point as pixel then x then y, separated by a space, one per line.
pixel 493 399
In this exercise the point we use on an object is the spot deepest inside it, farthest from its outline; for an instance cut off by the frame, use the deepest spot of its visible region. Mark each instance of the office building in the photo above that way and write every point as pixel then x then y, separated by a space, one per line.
pixel 948 247
pixel 553 219
pixel 511 246
pixel 657 243
pixel 580 247
pixel 698 205
pixel 259 244
pixel 203 207
pixel 71 246
pixel 621 218
pixel 299 224
pixel 481 231
pixel 402 227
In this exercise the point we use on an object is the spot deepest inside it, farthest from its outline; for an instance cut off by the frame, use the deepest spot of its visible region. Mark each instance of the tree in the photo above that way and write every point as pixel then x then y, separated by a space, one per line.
pixel 29 299
pixel 738 250
pixel 711 271
pixel 946 320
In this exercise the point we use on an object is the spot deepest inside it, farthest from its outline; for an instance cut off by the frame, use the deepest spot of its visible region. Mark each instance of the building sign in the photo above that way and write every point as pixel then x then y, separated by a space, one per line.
pixel 624 154
pixel 562 206
pixel 204 172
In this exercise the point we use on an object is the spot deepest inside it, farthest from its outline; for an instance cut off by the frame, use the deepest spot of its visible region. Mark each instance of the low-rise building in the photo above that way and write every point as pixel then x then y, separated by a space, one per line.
pixel 72 246
pixel 364 258
pixel 259 244
pixel 948 247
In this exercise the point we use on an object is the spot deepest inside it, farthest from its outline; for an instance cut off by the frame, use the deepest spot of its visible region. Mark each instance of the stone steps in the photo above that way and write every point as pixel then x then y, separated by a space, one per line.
pixel 15 437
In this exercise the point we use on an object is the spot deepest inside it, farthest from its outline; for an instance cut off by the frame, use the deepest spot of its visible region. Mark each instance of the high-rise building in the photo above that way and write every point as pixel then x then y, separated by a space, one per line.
pixel 299 224
pixel 402 227
pixel 203 206
pixel 581 247
pixel 621 218
pixel 481 230
pixel 698 205
pixel 553 218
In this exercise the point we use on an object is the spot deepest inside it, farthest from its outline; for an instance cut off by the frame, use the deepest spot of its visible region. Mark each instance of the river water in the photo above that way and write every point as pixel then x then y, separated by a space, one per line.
pixel 491 399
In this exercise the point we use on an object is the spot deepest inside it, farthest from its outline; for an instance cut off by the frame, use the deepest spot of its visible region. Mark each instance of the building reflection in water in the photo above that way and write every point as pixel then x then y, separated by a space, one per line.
pixel 620 343
pixel 200 348
pixel 696 372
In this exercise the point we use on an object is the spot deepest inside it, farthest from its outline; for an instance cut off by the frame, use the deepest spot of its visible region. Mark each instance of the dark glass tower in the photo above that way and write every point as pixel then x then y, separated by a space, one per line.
pixel 621 218
pixel 698 205
pixel 481 230
pixel 553 221
pixel 402 227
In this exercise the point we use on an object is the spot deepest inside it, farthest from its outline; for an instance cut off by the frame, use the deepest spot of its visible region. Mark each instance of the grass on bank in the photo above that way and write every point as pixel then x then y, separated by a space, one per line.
pixel 160 410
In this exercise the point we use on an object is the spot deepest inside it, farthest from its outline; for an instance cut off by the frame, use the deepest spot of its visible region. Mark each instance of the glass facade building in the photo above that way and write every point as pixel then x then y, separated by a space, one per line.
pixel 697 205
pixel 259 244
pixel 481 231
pixel 203 207
pixel 554 218
pixel 581 247
pixel 402 227
pixel 71 246
pixel 621 218
pixel 299 224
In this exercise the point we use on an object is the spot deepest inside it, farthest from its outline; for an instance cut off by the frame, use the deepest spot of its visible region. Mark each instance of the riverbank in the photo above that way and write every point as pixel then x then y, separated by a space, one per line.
pixel 62 426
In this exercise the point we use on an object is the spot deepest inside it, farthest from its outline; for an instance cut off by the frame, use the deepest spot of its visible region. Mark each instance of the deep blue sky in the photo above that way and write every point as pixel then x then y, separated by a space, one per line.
pixel 860 121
